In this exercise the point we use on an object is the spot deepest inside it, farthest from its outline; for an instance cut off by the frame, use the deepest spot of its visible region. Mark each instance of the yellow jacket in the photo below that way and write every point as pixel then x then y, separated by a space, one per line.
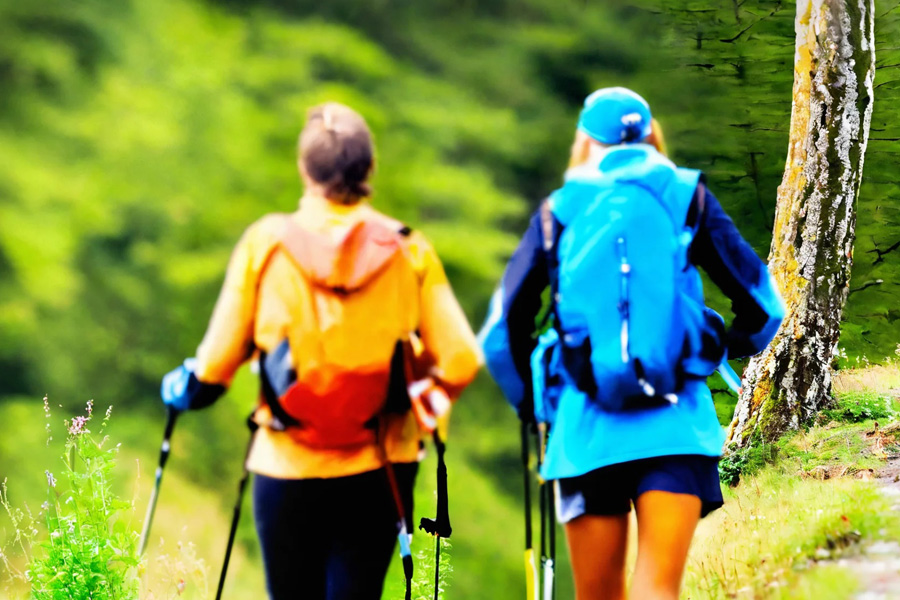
pixel 251 315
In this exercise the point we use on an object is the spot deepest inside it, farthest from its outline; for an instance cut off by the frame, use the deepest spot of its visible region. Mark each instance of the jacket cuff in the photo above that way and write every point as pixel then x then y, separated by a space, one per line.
pixel 202 394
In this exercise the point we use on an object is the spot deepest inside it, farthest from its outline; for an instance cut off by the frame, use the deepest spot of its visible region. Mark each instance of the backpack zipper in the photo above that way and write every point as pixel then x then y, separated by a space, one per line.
pixel 624 274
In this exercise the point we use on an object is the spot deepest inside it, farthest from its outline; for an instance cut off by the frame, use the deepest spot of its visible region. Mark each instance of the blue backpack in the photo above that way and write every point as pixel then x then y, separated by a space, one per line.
pixel 630 320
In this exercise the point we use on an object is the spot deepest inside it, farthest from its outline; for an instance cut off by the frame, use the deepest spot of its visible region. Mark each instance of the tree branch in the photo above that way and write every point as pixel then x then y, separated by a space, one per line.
pixel 866 286
pixel 886 82
pixel 752 25
pixel 889 11
pixel 720 391
pixel 881 253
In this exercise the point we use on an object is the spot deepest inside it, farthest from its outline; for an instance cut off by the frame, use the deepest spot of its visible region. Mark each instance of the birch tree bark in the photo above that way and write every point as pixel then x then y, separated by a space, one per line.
pixel 812 243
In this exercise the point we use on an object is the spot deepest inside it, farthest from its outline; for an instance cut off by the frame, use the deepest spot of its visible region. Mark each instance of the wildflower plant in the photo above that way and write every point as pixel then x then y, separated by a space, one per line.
pixel 90 550
pixel 24 532
pixel 423 583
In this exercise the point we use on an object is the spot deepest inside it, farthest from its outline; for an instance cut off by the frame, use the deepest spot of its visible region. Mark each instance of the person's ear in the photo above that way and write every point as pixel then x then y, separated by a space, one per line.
pixel 304 176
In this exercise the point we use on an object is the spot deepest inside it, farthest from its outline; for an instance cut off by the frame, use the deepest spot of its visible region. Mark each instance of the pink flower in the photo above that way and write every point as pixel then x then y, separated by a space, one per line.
pixel 76 427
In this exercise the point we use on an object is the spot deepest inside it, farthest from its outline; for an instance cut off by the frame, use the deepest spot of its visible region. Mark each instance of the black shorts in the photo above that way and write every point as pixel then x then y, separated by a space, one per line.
pixel 612 490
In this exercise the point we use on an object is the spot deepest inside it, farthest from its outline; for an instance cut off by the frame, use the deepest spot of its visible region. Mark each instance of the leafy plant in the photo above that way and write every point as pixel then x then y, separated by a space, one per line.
pixel 859 406
pixel 90 551
pixel 423 583
pixel 746 461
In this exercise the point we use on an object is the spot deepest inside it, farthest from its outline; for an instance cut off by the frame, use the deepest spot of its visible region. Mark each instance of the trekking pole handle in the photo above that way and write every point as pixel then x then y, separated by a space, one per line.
pixel 440 525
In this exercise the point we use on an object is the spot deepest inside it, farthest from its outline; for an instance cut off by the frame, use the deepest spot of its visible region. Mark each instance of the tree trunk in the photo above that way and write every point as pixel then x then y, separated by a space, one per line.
pixel 812 244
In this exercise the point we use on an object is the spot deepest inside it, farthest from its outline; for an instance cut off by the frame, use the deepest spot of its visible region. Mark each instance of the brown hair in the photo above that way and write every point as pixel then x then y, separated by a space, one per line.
pixel 336 151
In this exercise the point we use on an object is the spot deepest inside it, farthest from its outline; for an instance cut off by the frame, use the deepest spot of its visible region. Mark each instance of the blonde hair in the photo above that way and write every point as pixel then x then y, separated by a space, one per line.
pixel 336 150
pixel 656 138
pixel 581 147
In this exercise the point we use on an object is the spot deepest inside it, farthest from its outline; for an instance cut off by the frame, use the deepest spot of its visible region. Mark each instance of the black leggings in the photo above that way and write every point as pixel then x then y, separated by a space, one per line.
pixel 329 539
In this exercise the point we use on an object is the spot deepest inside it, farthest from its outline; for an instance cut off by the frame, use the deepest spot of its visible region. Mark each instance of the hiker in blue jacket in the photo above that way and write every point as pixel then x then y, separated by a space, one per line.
pixel 620 374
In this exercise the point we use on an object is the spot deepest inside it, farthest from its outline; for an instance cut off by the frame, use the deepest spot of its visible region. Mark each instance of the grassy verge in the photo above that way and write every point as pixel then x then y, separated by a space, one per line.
pixel 807 498
pixel 772 529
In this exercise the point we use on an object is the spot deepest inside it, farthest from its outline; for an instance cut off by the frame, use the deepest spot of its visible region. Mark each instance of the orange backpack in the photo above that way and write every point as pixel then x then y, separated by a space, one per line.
pixel 342 364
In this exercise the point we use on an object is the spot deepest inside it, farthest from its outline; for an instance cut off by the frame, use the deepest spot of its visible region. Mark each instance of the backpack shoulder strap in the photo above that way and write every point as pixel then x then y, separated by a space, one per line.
pixel 548 225
pixel 550 231
pixel 695 214
pixel 697 208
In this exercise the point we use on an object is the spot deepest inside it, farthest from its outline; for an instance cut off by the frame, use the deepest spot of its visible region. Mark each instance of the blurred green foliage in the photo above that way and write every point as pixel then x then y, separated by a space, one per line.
pixel 138 138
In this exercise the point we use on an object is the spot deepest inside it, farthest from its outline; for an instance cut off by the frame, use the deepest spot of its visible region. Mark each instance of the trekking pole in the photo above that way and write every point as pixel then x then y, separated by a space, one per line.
pixel 440 526
pixel 542 509
pixel 732 380
pixel 171 417
pixel 236 517
pixel 548 523
pixel 403 535
pixel 531 572
pixel 551 574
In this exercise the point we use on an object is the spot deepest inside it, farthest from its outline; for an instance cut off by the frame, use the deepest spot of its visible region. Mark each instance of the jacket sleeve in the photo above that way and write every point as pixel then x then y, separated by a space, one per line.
pixel 507 336
pixel 445 332
pixel 735 268
pixel 228 342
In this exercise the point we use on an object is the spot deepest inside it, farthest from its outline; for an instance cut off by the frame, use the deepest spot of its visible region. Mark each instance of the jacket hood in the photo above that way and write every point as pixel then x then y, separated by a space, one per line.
pixel 346 263
pixel 639 164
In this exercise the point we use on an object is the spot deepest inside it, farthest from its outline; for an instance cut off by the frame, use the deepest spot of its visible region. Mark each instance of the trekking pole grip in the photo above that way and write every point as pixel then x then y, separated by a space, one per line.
pixel 440 525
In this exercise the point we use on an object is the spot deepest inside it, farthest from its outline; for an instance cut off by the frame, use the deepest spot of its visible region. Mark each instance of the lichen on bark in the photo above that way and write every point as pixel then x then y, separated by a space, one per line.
pixel 812 242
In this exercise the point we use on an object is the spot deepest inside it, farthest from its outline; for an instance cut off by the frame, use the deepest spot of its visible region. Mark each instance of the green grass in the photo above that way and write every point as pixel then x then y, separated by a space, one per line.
pixel 859 406
pixel 763 542
pixel 797 497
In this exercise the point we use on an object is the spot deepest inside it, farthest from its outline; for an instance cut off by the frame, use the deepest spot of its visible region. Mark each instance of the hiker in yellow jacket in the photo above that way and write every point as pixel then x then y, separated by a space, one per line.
pixel 340 305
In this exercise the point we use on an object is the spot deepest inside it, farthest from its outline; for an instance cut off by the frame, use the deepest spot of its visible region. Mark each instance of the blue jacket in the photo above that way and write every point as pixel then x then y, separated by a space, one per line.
pixel 583 437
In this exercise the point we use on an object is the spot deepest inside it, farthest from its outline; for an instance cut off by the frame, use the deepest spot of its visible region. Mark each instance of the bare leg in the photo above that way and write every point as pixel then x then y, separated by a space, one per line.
pixel 597 547
pixel 666 524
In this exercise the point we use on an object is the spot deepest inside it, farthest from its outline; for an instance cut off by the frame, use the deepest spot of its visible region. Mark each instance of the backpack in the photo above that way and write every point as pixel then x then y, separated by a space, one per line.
pixel 627 302
pixel 341 365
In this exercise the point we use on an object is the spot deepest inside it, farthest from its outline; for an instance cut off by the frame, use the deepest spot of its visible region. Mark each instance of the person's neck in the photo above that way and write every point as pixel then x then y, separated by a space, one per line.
pixel 591 164
pixel 312 196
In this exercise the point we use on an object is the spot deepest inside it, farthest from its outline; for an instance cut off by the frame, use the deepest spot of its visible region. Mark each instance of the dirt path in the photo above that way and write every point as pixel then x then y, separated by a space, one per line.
pixel 878 565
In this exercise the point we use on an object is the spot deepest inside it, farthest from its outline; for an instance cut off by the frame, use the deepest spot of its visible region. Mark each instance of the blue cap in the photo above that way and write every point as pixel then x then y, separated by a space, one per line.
pixel 616 116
